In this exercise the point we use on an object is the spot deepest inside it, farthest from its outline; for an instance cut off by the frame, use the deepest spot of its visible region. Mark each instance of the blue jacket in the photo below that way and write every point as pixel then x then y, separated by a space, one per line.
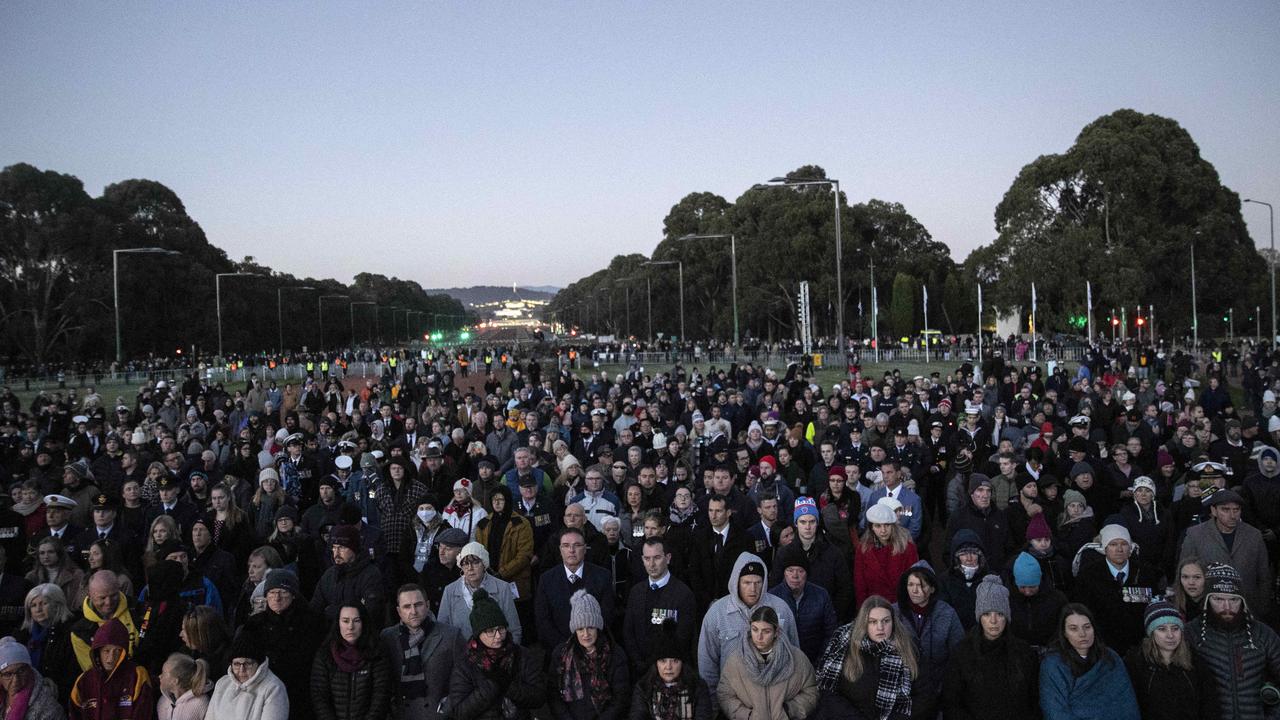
pixel 1103 693
pixel 815 616
pixel 913 510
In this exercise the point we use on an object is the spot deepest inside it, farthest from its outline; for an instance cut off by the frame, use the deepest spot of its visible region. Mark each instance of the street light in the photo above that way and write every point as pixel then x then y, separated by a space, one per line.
pixel 680 264
pixel 733 263
pixel 115 282
pixel 1271 212
pixel 839 251
pixel 280 308
pixel 217 290
pixel 320 314
pixel 649 294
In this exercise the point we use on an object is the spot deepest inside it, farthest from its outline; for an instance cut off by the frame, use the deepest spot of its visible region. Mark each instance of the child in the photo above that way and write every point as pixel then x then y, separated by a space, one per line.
pixel 114 687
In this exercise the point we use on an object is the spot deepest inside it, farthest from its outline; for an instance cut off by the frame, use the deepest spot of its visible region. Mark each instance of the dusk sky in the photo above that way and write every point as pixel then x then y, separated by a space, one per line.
pixel 492 143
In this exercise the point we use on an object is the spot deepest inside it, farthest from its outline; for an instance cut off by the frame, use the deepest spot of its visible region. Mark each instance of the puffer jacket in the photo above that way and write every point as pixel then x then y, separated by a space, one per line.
pixel 261 697
pixel 361 695
pixel 43 703
pixel 477 695
pixel 936 633
pixel 1240 662
pixel 356 583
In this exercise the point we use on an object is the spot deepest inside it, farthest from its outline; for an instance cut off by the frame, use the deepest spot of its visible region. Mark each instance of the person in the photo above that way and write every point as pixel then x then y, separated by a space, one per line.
pixel 766 676
pixel 884 554
pixel 1240 651
pixel 205 636
pixel 730 617
pixel 160 616
pixel 495 678
pixel 1035 605
pixel 981 516
pixel 290 632
pixel 250 599
pixel 184 689
pixel 558 584
pixel 46 633
pixel 658 597
pixel 1227 540
pixel 442 568
pixel 464 513
pixel 932 623
pixel 1188 594
pixel 716 548
pixel 458 596
pixel 811 605
pixel 420 650
pixel 590 678
pixel 1076 524
pixel 249 690
pixel 869 668
pixel 959 583
pixel 353 579
pixel 1168 680
pixel 54 565
pixel 1117 589
pixel 350 677
pixel 24 693
pixel 992 674
pixel 828 564
pixel 670 688
pixel 419 544
pixel 508 536
pixel 113 686
pixel 1055 570
pixel 106 555
pixel 1080 677
pixel 104 604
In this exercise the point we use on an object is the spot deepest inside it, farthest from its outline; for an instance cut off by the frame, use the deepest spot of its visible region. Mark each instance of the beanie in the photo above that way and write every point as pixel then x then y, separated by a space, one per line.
pixel 1161 612
pixel 1114 531
pixel 584 612
pixel 278 579
pixel 485 613
pixel 475 550
pixel 977 480
pixel 1074 496
pixel 1026 571
pixel 246 645
pixel 1038 528
pixel 667 644
pixel 1081 468
pixel 1163 458
pixel 992 596
pixel 13 652
pixel 792 556
pixel 1222 579
pixel 288 511
pixel 805 506
pixel 347 536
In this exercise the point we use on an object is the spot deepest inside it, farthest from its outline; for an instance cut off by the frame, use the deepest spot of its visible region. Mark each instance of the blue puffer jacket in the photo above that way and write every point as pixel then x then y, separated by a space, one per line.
pixel 937 632
pixel 815 617
pixel 1102 693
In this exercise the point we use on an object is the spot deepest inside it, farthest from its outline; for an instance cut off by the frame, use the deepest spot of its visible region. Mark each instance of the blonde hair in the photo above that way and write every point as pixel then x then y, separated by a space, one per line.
pixel 901 640
pixel 189 673
pixel 899 539
pixel 1181 657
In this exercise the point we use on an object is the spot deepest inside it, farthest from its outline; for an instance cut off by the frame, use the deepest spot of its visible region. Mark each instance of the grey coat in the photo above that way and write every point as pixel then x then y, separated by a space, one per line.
pixel 440 649
pixel 1248 555
pixel 455 606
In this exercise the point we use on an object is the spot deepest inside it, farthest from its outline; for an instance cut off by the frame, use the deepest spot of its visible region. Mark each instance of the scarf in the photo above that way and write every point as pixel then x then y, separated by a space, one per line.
pixel 765 670
pixel 893 687
pixel 574 662
pixel 679 517
pixel 488 659
pixel 35 646
pixel 19 703
pixel 671 702
pixel 497 528
pixel 26 508
pixel 346 656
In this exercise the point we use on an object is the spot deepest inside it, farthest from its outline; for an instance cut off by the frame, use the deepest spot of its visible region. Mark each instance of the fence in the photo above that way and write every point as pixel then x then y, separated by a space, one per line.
pixel 176 376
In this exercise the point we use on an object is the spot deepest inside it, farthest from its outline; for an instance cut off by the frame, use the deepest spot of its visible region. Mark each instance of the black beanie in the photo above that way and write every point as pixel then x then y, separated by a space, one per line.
pixel 247 646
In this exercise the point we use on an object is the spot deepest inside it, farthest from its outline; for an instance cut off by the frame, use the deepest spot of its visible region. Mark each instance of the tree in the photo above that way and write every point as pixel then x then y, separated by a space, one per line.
pixel 903 317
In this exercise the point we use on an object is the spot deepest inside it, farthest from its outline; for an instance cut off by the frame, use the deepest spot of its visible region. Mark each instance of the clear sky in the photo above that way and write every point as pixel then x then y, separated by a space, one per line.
pixel 543 138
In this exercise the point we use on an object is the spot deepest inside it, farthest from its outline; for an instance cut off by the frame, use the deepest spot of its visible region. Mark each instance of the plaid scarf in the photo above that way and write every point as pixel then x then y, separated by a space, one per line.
pixel 832 661
pixel 572 664
pixel 893 688
pixel 672 702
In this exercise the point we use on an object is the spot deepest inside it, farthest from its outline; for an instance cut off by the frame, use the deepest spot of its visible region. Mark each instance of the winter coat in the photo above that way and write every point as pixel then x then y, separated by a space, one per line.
pixel 1248 555
pixel 749 690
pixel 991 680
pixel 290 640
pixel 876 571
pixel 261 697
pixel 642 699
pixel 43 703
pixel 584 708
pixel 829 568
pixel 477 695
pixel 1171 693
pixel 340 695
pixel 1101 693
pixel 83 630
pixel 1240 661
pixel 122 693
pixel 516 562
pixel 991 527
pixel 191 705
pixel 57 660
pixel 729 618
pixel 440 648
pixel 815 616
pixel 1035 618
pixel 1118 609
pixel 359 583
pixel 455 608
pixel 936 634
pixel 857 700
pixel 1069 538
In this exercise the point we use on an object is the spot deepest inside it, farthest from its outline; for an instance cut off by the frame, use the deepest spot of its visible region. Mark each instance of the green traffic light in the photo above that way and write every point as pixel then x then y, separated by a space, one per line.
pixel 464 335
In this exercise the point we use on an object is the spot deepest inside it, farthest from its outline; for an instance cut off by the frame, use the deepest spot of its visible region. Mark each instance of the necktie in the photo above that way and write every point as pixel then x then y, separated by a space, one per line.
pixel 653 586
pixel 573 580
pixel 719 543
pixel 1120 578
pixel 102 536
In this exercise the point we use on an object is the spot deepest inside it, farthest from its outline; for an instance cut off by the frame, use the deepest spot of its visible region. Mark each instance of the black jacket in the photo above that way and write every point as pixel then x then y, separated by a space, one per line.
pixel 478 695
pixel 58 661
pixel 829 570
pixel 364 694
pixel 585 709
pixel 641 700
pixel 356 583
pixel 991 680
pixel 1118 609
pixel 710 570
pixel 290 640
pixel 1035 618
pixel 551 602
pixel 1171 693
pixel 991 526
pixel 645 611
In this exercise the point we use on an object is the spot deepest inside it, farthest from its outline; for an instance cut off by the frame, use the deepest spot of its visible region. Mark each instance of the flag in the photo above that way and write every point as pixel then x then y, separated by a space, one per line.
pixel 1033 307
pixel 926 299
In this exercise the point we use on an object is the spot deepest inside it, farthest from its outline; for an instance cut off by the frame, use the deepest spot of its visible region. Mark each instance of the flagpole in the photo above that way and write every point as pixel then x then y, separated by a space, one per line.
pixel 1033 323
pixel 1088 293
pixel 926 322
pixel 979 328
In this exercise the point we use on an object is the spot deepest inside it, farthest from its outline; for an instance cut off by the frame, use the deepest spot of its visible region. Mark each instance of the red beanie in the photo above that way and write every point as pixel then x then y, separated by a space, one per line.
pixel 1038 528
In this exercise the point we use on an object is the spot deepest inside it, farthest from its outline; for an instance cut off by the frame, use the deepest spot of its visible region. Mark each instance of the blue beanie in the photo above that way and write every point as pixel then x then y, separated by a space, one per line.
pixel 1026 571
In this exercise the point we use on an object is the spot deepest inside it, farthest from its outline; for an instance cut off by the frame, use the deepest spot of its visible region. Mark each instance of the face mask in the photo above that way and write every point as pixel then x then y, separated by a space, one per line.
pixel 426 516
pixel 969 572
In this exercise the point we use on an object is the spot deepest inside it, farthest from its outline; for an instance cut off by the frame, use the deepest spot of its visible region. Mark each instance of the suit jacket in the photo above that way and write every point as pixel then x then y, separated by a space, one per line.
pixel 551 607
pixel 710 570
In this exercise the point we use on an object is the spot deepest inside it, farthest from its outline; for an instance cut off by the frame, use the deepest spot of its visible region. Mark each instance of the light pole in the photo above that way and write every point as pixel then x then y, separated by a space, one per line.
pixel 320 314
pixel 835 184
pixel 280 309
pixel 217 291
pixel 1271 213
pixel 353 317
pixel 733 264
pixel 649 294
pixel 115 282
pixel 680 266
pixel 1195 316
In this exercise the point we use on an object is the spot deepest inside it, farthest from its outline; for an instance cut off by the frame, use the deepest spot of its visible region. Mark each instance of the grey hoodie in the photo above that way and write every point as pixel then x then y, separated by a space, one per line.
pixel 729 618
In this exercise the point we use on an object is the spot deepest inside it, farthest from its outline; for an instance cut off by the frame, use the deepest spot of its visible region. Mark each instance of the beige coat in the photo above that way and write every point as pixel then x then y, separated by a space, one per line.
pixel 792 698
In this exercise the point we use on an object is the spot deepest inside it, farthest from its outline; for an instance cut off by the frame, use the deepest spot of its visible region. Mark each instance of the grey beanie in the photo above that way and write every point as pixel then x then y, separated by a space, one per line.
pixel 992 596
pixel 584 612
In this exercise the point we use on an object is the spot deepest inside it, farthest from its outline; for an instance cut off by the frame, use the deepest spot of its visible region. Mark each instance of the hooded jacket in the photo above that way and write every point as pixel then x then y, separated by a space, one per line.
pixel 936 632
pixel 729 618
pixel 953 587
pixel 83 631
pixel 261 697
pixel 123 692
pixel 782 686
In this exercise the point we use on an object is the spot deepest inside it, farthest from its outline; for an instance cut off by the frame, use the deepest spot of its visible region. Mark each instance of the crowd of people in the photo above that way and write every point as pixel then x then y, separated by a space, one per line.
pixel 1001 542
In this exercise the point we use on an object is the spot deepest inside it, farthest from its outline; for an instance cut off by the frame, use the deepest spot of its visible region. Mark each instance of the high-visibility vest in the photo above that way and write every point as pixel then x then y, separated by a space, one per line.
pixel 324 366
pixel 310 366
pixel 393 361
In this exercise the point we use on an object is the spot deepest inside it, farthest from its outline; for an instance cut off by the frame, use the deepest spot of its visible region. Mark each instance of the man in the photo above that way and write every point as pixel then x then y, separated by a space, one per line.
pixel 104 603
pixel 326 511
pixel 722 484
pixel 353 579
pixel 534 506
pixel 501 443
pixel 1035 605
pixel 771 483
pixel 57 516
pixel 298 471
pixel 456 602
pixel 104 527
pixel 597 545
pixel 290 632
pixel 1227 540
pixel 523 461
pixel 729 618
pixel 828 567
pixel 77 484
pixel 1117 590
pixel 1241 652
pixel 763 534
pixel 912 516
pixel 810 604
pixel 715 551
pixel 597 502
pixel 558 584
pixel 658 597
pixel 421 651
pixel 984 519
pixel 443 568
pixel 169 503
pixel 196 588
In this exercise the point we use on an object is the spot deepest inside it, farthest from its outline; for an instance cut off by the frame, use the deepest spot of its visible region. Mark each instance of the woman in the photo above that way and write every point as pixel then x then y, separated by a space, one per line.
pixel 767 677
pixel 1076 525
pixel 869 669
pixel 631 516
pixel 992 673
pixel 251 600
pixel 206 637
pixel 287 539
pixel 848 503
pixel 884 554
pixel 1149 525
pixel 105 555
pixel 496 679
pixel 184 689
pixel 464 512
pixel 249 690
pixel 589 671
pixel 1188 595
pixel 163 529
pixel 1169 682
pixel 418 545
pixel 683 512
pixel 151 483
pixel 53 565
pixel 24 694
pixel 1120 472
pixel 670 689
pixel 46 633
pixel 229 524
pixel 1082 679
pixel 29 503
pixel 268 499
pixel 160 616
pixel 569 483
pixel 932 622
pixel 350 677
pixel 508 537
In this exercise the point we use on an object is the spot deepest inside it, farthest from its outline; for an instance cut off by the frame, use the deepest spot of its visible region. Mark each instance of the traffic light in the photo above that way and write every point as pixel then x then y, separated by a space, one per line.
pixel 1115 320
pixel 1226 318
pixel 1141 321
pixel 464 335
pixel 1078 321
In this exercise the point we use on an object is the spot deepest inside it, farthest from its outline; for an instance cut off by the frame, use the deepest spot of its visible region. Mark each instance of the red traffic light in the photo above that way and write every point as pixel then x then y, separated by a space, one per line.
pixel 1141 322
pixel 1115 321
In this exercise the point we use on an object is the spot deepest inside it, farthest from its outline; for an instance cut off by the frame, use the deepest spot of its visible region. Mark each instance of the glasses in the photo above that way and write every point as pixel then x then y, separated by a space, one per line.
pixel 9 674
pixel 237 664
pixel 470 561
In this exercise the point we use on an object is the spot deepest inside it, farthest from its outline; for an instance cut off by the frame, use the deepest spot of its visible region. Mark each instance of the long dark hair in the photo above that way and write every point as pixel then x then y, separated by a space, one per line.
pixel 1063 646
pixel 367 643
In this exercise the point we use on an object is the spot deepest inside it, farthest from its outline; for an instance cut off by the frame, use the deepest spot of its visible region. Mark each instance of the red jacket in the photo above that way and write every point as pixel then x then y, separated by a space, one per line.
pixel 877 571
pixel 124 693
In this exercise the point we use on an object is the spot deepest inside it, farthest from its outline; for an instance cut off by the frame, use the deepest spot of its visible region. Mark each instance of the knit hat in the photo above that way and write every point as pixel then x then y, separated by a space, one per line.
pixel 1142 481
pixel 584 612
pixel 1026 571
pixel 992 596
pixel 1222 579
pixel 881 515
pixel 1163 458
pixel 475 550
pixel 805 506
pixel 1081 468
pixel 268 472
pixel 1114 531
pixel 1073 496
pixel 485 613
pixel 1038 528
pixel 792 556
pixel 347 536
pixel 752 568
pixel 977 480
pixel 1161 612
pixel 13 652
pixel 279 579
pixel 667 643
pixel 462 484
pixel 246 645
pixel 288 511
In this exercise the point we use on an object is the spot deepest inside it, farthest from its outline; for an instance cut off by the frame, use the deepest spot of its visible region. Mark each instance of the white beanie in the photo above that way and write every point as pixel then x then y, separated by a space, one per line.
pixel 1273 424
pixel 1268 396
pixel 1114 532
pixel 13 652
pixel 474 549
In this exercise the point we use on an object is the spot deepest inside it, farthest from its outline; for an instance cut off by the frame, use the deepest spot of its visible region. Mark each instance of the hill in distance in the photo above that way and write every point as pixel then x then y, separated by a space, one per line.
pixel 480 294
